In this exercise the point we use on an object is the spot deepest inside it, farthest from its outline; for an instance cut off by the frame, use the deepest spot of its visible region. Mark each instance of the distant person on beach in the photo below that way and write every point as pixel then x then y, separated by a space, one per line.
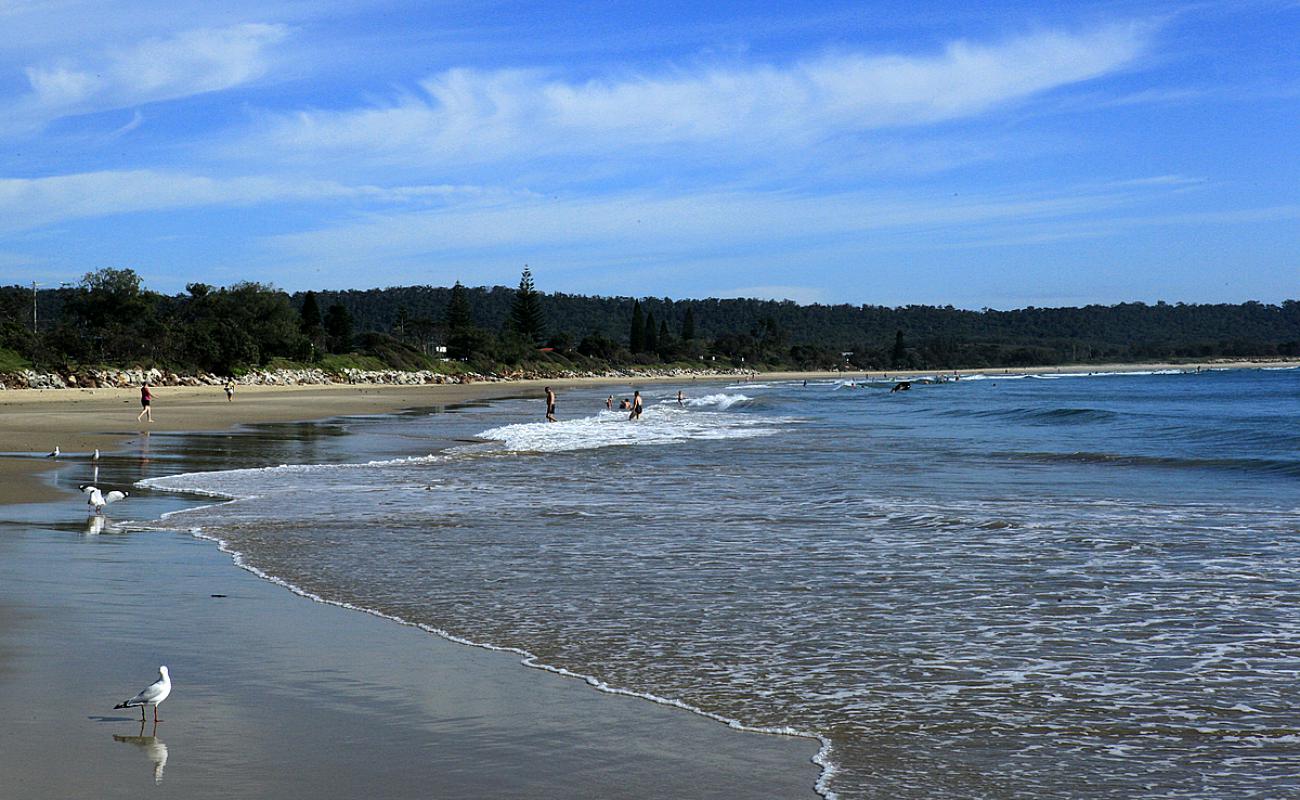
pixel 230 391
pixel 146 398
pixel 550 405
pixel 636 406
pixel 681 398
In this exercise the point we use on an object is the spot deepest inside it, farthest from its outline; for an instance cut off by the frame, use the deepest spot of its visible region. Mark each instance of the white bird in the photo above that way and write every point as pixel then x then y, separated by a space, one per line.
pixel 95 457
pixel 54 453
pixel 97 499
pixel 152 695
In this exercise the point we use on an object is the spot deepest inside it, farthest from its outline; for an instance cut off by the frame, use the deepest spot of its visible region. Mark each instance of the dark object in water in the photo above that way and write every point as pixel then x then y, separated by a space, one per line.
pixel 901 386
pixel 217 595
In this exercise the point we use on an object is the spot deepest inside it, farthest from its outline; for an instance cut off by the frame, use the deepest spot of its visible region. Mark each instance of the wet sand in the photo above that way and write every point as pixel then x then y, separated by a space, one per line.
pixel 280 697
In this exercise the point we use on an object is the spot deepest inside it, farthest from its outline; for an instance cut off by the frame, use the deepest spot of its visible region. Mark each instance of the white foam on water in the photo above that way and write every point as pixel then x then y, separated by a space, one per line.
pixel 822 758
pixel 664 424
pixel 222 483
pixel 720 401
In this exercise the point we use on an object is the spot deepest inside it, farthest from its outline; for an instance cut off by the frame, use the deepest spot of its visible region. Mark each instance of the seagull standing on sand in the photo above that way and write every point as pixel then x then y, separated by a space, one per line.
pixel 95 457
pixel 97 499
pixel 152 695
pixel 54 453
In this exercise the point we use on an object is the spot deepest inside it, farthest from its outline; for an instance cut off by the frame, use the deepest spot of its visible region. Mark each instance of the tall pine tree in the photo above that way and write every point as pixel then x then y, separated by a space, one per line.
pixel 459 318
pixel 310 313
pixel 899 354
pixel 460 323
pixel 688 324
pixel 526 315
pixel 636 337
pixel 651 336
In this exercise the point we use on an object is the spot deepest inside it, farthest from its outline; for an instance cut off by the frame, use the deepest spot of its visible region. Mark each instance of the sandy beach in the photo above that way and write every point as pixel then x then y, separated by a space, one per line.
pixel 278 696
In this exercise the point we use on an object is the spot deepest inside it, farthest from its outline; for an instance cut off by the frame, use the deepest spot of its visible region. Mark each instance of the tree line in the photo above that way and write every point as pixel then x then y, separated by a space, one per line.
pixel 111 318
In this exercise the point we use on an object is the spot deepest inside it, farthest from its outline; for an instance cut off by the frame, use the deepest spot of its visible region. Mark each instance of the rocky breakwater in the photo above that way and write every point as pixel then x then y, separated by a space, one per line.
pixel 125 378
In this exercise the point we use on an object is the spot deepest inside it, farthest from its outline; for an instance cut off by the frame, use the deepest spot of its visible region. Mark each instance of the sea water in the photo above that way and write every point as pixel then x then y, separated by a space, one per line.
pixel 1058 586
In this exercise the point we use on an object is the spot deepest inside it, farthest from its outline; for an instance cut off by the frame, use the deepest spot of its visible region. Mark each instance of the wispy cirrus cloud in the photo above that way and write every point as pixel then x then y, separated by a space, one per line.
pixel 27 203
pixel 469 115
pixel 649 226
pixel 181 65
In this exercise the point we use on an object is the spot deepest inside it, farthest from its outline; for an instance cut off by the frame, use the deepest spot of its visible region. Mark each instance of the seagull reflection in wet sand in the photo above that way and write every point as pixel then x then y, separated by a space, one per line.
pixel 153 748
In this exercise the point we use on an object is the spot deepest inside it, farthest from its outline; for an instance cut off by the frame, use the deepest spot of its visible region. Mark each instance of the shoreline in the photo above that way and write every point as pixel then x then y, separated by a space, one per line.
pixel 721 756
pixel 33 421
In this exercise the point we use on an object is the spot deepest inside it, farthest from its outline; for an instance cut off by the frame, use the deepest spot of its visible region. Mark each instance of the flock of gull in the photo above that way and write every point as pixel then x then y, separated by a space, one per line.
pixel 156 692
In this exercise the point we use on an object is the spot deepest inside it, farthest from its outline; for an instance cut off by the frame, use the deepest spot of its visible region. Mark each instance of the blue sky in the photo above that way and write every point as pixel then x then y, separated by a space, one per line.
pixel 980 155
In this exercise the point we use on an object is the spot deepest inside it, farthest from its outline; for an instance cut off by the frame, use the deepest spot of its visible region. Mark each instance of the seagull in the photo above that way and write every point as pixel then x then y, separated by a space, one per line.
pixel 152 695
pixel 54 453
pixel 95 457
pixel 98 499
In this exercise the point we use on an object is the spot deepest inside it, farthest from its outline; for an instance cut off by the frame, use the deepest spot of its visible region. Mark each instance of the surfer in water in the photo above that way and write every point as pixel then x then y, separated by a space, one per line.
pixel 550 405
pixel 681 398
pixel 636 406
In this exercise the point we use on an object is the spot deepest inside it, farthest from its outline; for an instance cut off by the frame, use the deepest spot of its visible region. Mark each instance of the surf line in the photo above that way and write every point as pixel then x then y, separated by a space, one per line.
pixel 822 758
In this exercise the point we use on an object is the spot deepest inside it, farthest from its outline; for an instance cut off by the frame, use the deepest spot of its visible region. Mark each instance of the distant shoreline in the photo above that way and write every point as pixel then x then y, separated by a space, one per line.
pixel 33 421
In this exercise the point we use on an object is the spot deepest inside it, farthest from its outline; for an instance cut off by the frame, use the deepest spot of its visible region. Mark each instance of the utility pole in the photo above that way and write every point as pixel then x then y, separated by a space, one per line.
pixel 34 285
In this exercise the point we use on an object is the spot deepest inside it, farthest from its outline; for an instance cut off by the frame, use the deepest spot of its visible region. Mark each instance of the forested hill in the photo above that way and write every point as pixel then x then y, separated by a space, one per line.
pixel 112 318
pixel 941 336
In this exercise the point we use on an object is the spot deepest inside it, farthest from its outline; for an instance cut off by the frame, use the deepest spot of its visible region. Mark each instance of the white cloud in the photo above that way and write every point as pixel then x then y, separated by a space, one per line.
pixel 27 203
pixel 467 115
pixel 647 227
pixel 185 64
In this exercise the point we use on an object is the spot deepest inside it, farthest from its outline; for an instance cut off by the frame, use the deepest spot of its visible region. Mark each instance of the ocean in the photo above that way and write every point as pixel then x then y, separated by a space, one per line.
pixel 1010 586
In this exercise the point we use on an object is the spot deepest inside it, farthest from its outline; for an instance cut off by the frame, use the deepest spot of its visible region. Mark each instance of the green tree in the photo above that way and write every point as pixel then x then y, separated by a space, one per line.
pixel 459 317
pixel 688 324
pixel 113 318
pixel 650 338
pixel 526 315
pixel 459 320
pixel 898 356
pixel 338 327
pixel 636 337
pixel 311 325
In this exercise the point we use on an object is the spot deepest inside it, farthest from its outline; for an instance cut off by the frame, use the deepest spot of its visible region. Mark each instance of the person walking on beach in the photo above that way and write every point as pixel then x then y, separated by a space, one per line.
pixel 636 406
pixel 146 398
pixel 550 405
pixel 230 391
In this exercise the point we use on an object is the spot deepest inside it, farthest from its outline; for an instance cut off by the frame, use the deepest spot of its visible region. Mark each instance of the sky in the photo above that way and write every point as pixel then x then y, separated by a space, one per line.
pixel 999 155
